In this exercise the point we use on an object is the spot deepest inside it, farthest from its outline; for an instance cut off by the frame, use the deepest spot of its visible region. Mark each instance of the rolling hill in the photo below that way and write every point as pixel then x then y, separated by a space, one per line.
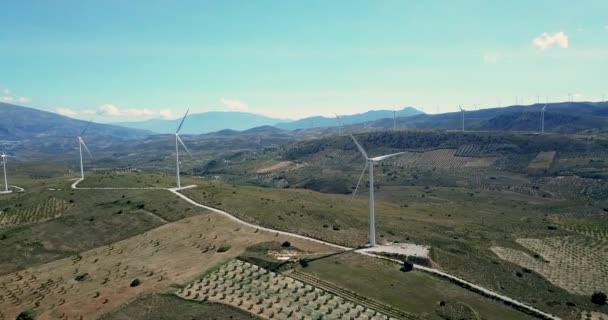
pixel 22 123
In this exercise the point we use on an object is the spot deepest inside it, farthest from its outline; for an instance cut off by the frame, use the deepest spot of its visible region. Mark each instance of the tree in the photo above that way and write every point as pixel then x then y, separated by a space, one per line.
pixel 25 315
pixel 598 298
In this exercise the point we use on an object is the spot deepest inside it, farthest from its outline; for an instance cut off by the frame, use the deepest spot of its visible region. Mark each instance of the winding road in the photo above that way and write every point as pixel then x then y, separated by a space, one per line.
pixel 471 286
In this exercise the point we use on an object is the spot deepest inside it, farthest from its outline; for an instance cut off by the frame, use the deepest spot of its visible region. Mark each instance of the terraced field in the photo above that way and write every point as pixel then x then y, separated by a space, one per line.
pixel 488 150
pixel 542 161
pixel 577 264
pixel 46 210
pixel 441 158
pixel 274 296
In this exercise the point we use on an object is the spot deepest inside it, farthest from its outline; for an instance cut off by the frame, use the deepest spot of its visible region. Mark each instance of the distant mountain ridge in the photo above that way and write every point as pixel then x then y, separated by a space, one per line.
pixel 199 123
pixel 206 122
pixel 561 117
pixel 317 122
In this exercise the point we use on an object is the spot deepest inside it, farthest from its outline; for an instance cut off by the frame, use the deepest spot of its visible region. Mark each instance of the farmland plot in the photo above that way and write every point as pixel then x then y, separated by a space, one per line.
pixel 46 210
pixel 542 161
pixel 97 281
pixel 577 264
pixel 272 296
pixel 441 158
pixel 489 150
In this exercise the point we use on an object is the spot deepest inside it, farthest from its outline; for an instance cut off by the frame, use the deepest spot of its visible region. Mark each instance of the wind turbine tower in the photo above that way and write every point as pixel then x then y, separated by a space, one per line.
pixel 340 123
pixel 80 145
pixel 394 120
pixel 369 162
pixel 462 112
pixel 542 119
pixel 179 141
pixel 4 156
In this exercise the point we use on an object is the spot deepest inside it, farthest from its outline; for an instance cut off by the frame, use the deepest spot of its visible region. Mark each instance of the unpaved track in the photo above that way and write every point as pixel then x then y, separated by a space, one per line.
pixel 436 272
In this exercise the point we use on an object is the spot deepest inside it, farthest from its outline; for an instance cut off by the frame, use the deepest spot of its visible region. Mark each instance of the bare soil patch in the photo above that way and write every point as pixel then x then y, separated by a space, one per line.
pixel 173 253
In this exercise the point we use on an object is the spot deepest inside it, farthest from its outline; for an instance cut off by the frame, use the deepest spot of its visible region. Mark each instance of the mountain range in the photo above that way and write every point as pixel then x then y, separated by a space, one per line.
pixel 199 123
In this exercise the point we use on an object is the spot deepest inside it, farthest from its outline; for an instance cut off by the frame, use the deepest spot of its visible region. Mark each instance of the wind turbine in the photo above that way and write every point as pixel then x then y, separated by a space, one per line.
pixel 80 145
pixel 542 119
pixel 4 156
pixel 394 120
pixel 462 112
pixel 369 162
pixel 179 141
pixel 340 123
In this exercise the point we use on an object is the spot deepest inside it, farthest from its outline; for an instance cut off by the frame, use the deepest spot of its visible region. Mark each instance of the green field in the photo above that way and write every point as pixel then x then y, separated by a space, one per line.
pixel 168 307
pixel 93 218
pixel 414 292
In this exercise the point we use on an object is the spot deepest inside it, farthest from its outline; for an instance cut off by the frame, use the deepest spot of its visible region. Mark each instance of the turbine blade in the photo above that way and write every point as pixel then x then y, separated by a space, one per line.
pixel 85 147
pixel 86 127
pixel 359 182
pixel 360 147
pixel 545 107
pixel 183 119
pixel 380 158
pixel 183 145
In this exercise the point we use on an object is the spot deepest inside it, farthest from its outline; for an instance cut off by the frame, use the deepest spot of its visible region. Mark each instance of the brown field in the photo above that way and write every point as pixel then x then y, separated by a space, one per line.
pixel 98 281
pixel 542 161
pixel 280 166
pixel 577 264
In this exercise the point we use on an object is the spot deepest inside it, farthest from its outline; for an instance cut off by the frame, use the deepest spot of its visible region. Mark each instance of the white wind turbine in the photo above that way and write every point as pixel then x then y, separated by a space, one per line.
pixel 340 123
pixel 369 162
pixel 80 145
pixel 462 112
pixel 394 120
pixel 179 141
pixel 4 156
pixel 542 119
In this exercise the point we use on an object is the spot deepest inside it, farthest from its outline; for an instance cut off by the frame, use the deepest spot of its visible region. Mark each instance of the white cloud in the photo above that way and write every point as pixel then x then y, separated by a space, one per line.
pixel 66 112
pixel 234 105
pixel 491 58
pixel 166 114
pixel 113 111
pixel 546 40
pixel 8 97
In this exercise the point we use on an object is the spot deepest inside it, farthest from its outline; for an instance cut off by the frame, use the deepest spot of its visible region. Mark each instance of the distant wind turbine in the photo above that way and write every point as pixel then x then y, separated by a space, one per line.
pixel 462 112
pixel 4 156
pixel 82 144
pixel 542 119
pixel 394 120
pixel 369 163
pixel 179 141
pixel 340 123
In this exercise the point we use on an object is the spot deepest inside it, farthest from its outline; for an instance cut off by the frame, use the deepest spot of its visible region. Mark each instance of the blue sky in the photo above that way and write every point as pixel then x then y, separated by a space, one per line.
pixel 132 60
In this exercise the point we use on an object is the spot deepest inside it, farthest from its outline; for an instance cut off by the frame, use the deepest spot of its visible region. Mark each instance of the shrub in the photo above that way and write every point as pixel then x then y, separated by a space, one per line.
pixel 25 315
pixel 135 283
pixel 407 266
pixel 82 277
pixel 598 298
pixel 286 244
pixel 224 248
